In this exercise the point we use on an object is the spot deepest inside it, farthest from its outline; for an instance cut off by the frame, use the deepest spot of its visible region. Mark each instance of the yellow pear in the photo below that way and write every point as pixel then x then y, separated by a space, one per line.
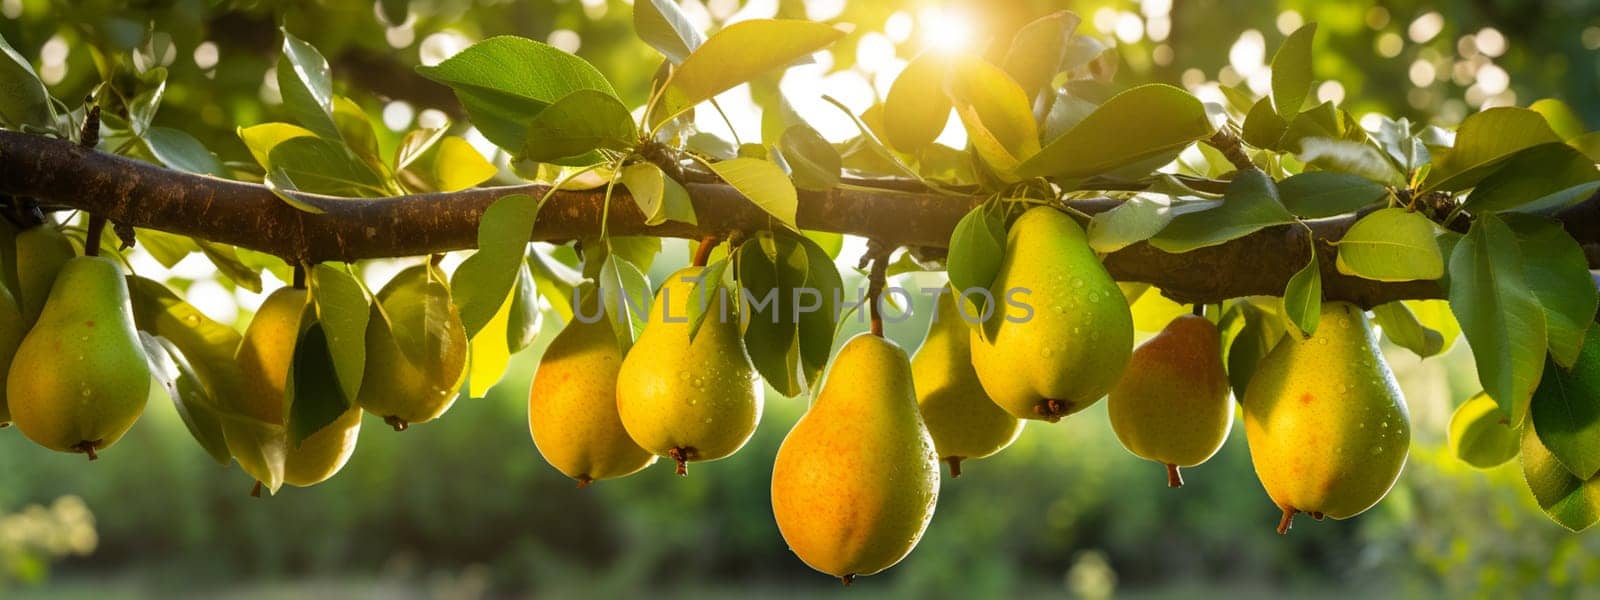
pixel 688 400
pixel 572 405
pixel 264 357
pixel 1172 404
pixel 856 480
pixel 416 350
pixel 1061 332
pixel 1325 420
pixel 11 332
pixel 41 252
pixel 964 422
pixel 80 378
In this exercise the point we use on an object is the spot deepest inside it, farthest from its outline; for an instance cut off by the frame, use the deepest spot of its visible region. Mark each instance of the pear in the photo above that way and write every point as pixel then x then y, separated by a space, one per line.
pixel 688 400
pixel 856 480
pixel 416 350
pixel 41 252
pixel 80 378
pixel 264 356
pixel 572 405
pixel 964 422
pixel 1171 405
pixel 1325 419
pixel 1061 333
pixel 11 332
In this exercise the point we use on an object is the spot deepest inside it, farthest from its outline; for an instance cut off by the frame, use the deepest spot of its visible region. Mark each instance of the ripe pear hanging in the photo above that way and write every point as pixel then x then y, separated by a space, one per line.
pixel 855 482
pixel 416 350
pixel 1326 422
pixel 572 405
pixel 964 423
pixel 264 357
pixel 1062 333
pixel 80 378
pixel 688 400
pixel 1172 404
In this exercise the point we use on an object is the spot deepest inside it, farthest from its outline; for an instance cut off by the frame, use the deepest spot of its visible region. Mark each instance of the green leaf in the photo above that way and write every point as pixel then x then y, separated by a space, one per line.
pixel 557 283
pixel 1137 124
pixel 1249 204
pixel 710 295
pixel 740 52
pixel 1403 328
pixel 226 259
pixel 306 86
pixel 1558 275
pixel 261 139
pixel 771 333
pixel 764 183
pixel 343 311
pixel 1569 501
pixel 1498 312
pixel 1352 157
pixel 1566 411
pixel 917 108
pixel 977 247
pixel 1529 175
pixel 523 324
pixel 662 25
pixel 23 98
pixel 1257 333
pixel 660 199
pixel 1479 435
pixel 179 150
pixel 1135 220
pixel 1263 128
pixel 1391 244
pixel 208 346
pixel 1291 72
pixel 814 164
pixel 1037 51
pixel 1483 141
pixel 505 81
pixel 315 397
pixel 189 395
pixel 817 328
pixel 1318 194
pixel 1302 297
pixel 319 166
pixel 1435 315
pixel 489 352
pixel 482 283
pixel 456 166
pixel 995 111
pixel 626 293
pixel 577 124
pixel 357 132
pixel 1566 123
pixel 1561 199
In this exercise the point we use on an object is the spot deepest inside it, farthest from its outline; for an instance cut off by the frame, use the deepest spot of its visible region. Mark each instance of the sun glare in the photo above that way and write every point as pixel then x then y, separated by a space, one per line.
pixel 945 30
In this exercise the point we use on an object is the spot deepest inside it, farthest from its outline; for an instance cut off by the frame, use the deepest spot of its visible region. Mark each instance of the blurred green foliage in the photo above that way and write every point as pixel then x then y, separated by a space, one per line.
pixel 465 504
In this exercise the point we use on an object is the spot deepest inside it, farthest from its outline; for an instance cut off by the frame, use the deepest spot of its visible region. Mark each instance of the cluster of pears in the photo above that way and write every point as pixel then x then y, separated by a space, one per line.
pixel 76 371
pixel 597 413
pixel 415 364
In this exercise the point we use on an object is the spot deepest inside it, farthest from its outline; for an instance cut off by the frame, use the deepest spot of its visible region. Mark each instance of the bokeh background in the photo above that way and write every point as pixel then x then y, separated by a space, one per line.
pixel 464 507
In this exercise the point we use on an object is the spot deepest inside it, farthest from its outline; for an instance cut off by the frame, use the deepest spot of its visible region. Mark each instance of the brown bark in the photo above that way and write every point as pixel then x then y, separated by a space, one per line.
pixel 251 216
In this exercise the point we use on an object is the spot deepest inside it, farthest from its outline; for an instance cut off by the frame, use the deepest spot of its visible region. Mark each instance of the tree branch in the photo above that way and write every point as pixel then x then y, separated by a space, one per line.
pixel 251 216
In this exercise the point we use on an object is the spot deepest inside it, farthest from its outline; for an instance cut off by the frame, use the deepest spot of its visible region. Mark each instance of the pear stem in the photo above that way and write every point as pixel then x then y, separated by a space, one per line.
pixel 877 279
pixel 955 466
pixel 91 244
pixel 397 423
pixel 848 579
pixel 299 282
pixel 584 482
pixel 682 455
pixel 702 254
pixel 1287 521
pixel 255 490
pixel 1174 478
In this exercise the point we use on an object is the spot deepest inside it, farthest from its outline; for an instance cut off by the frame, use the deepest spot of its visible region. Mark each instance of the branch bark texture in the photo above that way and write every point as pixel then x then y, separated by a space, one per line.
pixel 251 216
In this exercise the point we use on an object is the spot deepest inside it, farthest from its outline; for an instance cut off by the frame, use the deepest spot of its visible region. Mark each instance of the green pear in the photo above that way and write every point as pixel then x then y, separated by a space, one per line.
pixel 11 332
pixel 41 252
pixel 1325 419
pixel 416 350
pixel 1061 333
pixel 856 480
pixel 1171 405
pixel 80 378
pixel 964 422
pixel 688 400
pixel 572 405
pixel 264 357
